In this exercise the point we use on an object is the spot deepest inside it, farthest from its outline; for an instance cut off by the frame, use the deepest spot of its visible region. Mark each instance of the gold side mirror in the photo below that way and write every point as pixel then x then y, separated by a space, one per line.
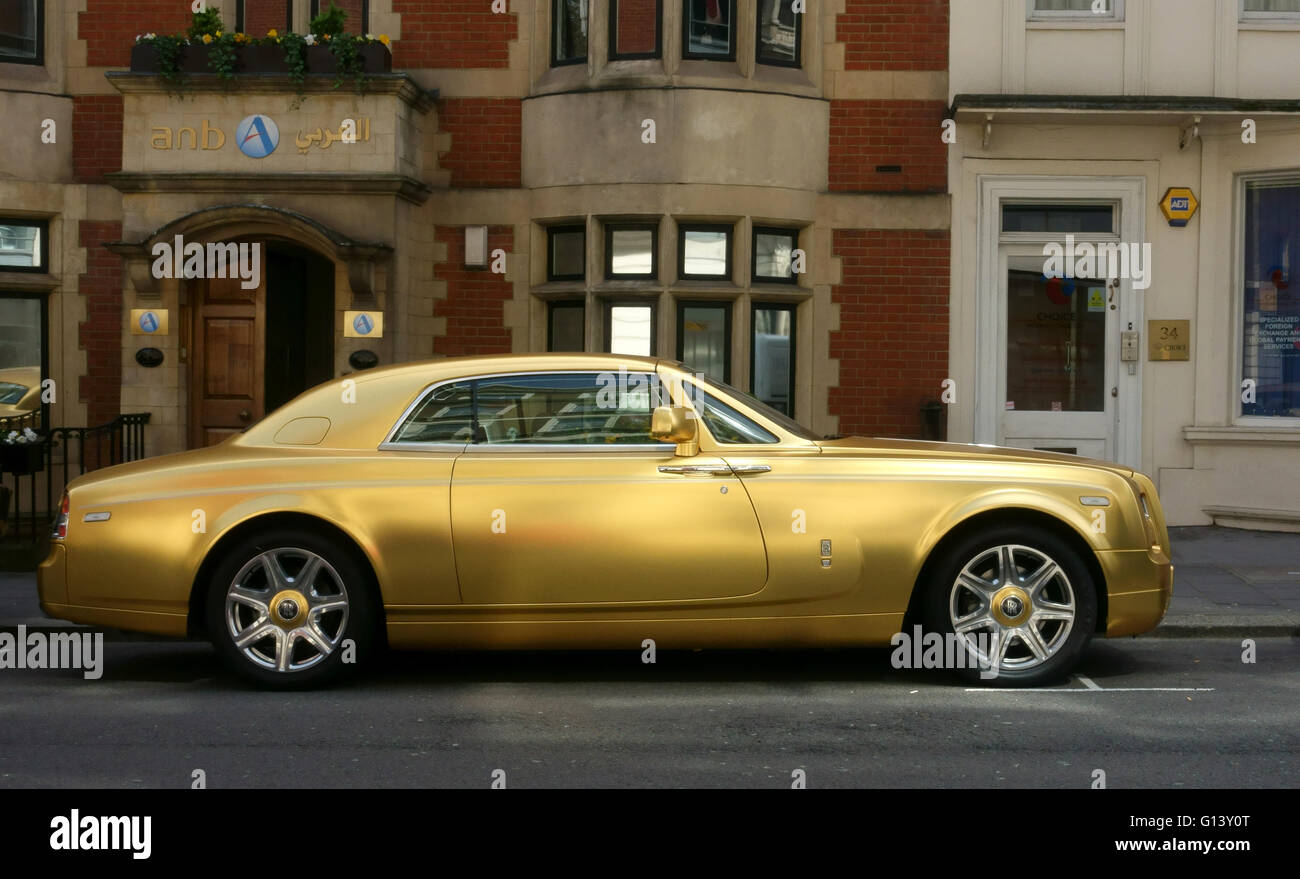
pixel 676 424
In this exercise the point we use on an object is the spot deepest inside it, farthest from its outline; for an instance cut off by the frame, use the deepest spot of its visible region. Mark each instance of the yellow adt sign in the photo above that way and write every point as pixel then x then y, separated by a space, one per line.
pixel 1178 205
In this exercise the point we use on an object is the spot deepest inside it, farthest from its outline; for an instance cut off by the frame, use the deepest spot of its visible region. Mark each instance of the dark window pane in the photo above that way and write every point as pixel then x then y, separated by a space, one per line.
pixel 1056 343
pixel 570 36
pixel 631 329
pixel 631 252
pixel 704 339
pixel 1063 218
pixel 704 253
pixel 567 326
pixel 1276 7
pixel 1271 322
pixel 20 37
pixel 586 408
pixel 446 416
pixel 778 32
pixel 729 426
pixel 709 28
pixel 773 360
pixel 21 343
pixel 636 27
pixel 568 255
pixel 773 258
pixel 20 246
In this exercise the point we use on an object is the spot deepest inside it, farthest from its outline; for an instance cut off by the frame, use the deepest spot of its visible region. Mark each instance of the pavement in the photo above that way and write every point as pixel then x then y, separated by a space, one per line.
pixel 1228 582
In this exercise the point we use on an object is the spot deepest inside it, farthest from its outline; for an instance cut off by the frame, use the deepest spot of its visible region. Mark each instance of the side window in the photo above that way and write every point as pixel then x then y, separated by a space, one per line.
pixel 565 408
pixel 445 416
pixel 727 425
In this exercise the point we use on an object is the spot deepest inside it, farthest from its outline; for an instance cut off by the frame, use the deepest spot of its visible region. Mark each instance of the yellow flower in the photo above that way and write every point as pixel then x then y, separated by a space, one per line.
pixel 325 36
pixel 218 34
pixel 383 38
pixel 273 34
pixel 207 38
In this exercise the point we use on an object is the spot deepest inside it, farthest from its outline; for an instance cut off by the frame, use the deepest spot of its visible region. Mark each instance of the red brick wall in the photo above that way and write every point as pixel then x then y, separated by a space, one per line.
pixel 485 138
pixel 474 296
pixel 261 16
pixel 453 33
pixel 637 26
pixel 109 27
pixel 96 136
pixel 101 333
pixel 894 34
pixel 892 344
pixel 865 134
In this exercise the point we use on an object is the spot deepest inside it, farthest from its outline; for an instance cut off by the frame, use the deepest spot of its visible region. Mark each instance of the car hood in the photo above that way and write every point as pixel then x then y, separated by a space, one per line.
pixel 870 446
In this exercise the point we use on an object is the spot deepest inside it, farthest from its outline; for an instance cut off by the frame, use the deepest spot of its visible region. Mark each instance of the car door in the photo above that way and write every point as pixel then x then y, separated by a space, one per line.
pixel 565 498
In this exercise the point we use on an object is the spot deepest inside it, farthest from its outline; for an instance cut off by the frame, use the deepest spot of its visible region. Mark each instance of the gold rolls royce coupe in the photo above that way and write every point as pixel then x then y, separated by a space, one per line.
pixel 596 501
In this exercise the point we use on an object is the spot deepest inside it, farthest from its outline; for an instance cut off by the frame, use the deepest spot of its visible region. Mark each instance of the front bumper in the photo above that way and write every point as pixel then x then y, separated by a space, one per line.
pixel 1139 587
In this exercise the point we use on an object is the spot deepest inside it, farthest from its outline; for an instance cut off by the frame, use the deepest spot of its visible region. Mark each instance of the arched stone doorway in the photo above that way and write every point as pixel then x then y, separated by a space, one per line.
pixel 250 341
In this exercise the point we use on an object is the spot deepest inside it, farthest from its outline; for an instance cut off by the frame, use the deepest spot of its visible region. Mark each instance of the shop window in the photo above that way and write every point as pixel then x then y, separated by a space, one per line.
pixel 565 326
pixel 1271 299
pixel 772 361
pixel 22 31
pixel 24 246
pixel 631 251
pixel 635 29
pixel 1257 10
pixel 704 252
pixel 568 32
pixel 773 255
pixel 704 338
pixel 630 328
pixel 780 33
pixel 1112 10
pixel 710 29
pixel 22 360
pixel 566 249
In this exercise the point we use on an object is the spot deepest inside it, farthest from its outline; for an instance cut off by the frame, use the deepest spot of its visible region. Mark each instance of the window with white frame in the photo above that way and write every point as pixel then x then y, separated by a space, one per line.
pixel 1104 10
pixel 1263 10
pixel 1270 299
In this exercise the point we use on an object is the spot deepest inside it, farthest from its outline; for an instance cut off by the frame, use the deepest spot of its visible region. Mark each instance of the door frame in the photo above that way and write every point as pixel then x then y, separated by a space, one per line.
pixel 1129 192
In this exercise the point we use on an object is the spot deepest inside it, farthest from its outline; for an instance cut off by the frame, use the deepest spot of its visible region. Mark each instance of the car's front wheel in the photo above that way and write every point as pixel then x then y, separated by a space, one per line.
pixel 1018 602
pixel 290 609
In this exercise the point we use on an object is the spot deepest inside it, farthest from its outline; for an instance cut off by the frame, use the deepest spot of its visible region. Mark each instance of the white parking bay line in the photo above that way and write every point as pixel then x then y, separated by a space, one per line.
pixel 1091 687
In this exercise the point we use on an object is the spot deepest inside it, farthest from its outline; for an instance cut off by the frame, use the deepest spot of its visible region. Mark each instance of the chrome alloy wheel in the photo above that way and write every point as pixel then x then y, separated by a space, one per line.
pixel 1013 606
pixel 286 609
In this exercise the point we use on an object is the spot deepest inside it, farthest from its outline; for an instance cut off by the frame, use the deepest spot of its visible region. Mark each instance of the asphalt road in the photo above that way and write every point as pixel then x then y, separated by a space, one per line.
pixel 704 719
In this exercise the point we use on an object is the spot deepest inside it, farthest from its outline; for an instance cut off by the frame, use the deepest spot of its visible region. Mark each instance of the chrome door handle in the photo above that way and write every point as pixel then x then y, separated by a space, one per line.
pixel 696 469
pixel 750 469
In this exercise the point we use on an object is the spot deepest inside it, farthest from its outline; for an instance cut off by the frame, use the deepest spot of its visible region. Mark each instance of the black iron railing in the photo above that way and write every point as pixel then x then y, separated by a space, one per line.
pixel 32 478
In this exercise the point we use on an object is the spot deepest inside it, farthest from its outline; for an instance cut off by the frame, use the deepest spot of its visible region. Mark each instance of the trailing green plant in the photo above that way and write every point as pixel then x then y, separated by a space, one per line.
pixel 222 57
pixel 348 61
pixel 295 55
pixel 168 48
pixel 329 23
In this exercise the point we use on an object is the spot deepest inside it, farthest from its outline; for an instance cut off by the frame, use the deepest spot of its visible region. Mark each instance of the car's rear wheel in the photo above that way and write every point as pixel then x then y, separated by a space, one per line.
pixel 290 609
pixel 1018 602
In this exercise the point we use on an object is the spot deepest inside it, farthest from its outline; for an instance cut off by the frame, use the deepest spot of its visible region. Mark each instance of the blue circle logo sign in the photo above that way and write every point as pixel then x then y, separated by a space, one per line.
pixel 363 324
pixel 149 322
pixel 257 136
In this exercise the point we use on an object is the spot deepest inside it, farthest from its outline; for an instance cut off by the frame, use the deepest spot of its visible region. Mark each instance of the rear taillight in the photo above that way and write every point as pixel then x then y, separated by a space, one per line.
pixel 61 520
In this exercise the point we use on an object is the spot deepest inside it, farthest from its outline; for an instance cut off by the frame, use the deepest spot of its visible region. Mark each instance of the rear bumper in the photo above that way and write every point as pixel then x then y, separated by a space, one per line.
pixel 1139 587
pixel 52 588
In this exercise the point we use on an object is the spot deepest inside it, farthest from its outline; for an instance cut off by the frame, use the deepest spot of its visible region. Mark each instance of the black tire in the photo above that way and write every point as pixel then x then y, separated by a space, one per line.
pixel 1022 665
pixel 340 576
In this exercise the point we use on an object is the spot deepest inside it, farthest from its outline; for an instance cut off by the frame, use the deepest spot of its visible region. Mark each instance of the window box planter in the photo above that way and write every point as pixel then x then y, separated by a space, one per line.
pixel 22 459
pixel 263 59
pixel 375 58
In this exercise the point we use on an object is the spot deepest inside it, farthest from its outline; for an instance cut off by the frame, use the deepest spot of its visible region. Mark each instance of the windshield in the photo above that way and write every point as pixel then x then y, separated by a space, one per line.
pixel 774 415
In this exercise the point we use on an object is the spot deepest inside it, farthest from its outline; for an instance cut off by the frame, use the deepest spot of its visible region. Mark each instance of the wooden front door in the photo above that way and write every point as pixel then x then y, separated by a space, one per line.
pixel 226 369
